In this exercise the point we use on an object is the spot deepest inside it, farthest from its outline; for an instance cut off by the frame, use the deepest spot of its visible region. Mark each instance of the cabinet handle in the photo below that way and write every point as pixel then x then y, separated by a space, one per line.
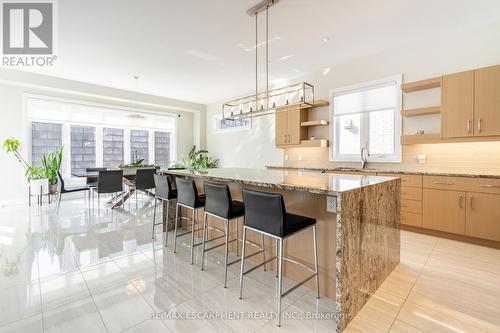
pixel 469 122
pixel 479 121
pixel 285 138
pixel 490 186
pixel 471 199
pixel 442 183
pixel 288 138
pixel 460 197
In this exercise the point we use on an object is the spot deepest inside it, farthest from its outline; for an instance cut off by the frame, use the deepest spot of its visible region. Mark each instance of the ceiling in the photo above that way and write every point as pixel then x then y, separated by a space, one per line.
pixel 202 51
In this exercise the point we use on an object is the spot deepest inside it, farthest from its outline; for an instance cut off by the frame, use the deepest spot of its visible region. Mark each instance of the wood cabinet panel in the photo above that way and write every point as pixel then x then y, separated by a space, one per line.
pixel 487 101
pixel 412 219
pixel 457 105
pixel 444 210
pixel 411 193
pixel 406 180
pixel 281 125
pixel 483 216
pixel 448 183
pixel 411 206
pixel 294 128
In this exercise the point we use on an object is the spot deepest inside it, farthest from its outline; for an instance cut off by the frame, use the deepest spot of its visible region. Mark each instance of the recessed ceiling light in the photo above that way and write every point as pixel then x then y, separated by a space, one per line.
pixel 326 39
pixel 295 70
pixel 326 70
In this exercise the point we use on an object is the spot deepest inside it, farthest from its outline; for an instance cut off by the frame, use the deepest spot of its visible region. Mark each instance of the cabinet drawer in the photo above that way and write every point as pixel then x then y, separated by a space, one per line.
pixel 406 180
pixel 448 183
pixel 485 185
pixel 411 219
pixel 411 206
pixel 411 193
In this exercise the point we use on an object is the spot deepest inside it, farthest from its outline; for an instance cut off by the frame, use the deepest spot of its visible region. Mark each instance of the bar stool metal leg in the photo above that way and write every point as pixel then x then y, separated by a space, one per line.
pixel 154 220
pixel 226 231
pixel 277 262
pixel 166 222
pixel 316 260
pixel 175 228
pixel 204 240
pixel 242 260
pixel 263 251
pixel 280 278
pixel 192 235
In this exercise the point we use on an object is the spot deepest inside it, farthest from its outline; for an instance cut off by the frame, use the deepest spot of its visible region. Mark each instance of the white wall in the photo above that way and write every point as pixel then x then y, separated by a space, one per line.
pixel 13 122
pixel 446 54
pixel 252 148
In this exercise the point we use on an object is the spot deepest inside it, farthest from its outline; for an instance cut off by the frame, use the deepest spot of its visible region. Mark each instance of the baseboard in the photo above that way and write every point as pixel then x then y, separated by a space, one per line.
pixel 461 238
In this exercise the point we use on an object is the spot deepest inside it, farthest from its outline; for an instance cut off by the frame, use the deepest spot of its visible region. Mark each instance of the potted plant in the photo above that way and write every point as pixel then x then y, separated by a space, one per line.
pixel 196 160
pixel 51 164
pixel 136 163
pixel 35 176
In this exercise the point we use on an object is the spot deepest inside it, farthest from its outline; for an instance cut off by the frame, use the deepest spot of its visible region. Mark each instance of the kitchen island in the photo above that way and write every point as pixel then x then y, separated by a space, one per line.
pixel 358 227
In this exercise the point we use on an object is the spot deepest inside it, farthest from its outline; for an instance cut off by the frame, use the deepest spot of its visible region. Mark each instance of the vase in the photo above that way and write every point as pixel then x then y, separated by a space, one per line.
pixel 52 188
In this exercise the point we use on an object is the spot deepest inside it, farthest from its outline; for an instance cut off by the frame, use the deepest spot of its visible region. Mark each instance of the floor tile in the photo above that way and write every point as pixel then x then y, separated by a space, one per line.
pixel 19 302
pixel 122 307
pixel 27 325
pixel 103 276
pixel 149 326
pixel 62 289
pixel 80 316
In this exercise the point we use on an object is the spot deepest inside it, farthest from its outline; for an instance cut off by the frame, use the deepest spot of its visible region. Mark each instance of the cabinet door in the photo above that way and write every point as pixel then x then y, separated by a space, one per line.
pixel 444 210
pixel 294 129
pixel 457 105
pixel 483 216
pixel 281 127
pixel 487 101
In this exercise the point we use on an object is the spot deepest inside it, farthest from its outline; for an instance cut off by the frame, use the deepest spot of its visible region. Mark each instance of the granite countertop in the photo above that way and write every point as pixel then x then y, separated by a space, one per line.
pixel 408 171
pixel 293 180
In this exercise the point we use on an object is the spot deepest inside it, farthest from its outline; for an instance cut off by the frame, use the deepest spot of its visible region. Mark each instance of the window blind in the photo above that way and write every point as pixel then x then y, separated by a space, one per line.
pixel 366 100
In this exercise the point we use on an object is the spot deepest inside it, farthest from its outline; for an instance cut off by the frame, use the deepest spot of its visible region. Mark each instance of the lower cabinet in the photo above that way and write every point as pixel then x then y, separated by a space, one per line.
pixel 444 210
pixel 483 216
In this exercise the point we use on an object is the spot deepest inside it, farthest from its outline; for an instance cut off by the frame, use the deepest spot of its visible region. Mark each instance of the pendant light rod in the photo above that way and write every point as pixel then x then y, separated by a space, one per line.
pixel 261 6
pixel 267 58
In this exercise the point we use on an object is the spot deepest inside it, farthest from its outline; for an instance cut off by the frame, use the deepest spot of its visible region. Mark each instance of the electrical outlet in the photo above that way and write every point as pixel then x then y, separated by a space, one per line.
pixel 286 157
pixel 331 204
pixel 300 157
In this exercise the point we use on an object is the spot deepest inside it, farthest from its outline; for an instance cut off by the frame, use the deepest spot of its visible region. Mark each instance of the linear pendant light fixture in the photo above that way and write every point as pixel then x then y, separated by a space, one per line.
pixel 265 102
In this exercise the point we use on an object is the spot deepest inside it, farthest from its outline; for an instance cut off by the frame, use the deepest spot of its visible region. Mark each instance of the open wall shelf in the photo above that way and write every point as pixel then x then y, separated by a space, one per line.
pixel 421 111
pixel 421 85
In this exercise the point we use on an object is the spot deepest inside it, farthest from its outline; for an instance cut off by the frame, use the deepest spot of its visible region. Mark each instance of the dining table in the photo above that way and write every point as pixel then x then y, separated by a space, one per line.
pixel 119 199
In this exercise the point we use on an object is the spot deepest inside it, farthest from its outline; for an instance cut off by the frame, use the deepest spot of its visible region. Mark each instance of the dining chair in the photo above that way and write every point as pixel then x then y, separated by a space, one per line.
pixel 64 189
pixel 144 181
pixel 92 181
pixel 108 182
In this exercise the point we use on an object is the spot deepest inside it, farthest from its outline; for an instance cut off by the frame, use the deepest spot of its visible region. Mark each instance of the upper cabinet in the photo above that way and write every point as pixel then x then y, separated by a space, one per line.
pixel 470 103
pixel 293 124
pixel 457 105
pixel 487 101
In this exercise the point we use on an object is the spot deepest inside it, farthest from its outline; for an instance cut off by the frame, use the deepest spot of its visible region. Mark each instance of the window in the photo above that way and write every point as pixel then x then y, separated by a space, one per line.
pixel 139 148
pixel 45 138
pixel 112 147
pixel 367 115
pixel 82 147
pixel 162 149
pixel 95 135
pixel 223 125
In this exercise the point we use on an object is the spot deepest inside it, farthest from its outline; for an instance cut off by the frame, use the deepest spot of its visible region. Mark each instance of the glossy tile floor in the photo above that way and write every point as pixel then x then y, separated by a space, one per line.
pixel 83 271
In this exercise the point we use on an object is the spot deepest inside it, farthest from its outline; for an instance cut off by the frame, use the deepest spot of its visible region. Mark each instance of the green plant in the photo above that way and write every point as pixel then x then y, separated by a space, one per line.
pixel 11 145
pixel 51 164
pixel 198 159
pixel 33 173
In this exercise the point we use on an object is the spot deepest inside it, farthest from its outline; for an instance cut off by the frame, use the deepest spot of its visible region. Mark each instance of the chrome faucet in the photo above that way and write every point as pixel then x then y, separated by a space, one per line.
pixel 363 156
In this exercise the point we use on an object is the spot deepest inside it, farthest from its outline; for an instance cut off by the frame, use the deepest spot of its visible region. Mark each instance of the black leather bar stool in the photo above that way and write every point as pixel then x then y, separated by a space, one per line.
pixel 163 192
pixel 265 213
pixel 219 204
pixel 188 197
